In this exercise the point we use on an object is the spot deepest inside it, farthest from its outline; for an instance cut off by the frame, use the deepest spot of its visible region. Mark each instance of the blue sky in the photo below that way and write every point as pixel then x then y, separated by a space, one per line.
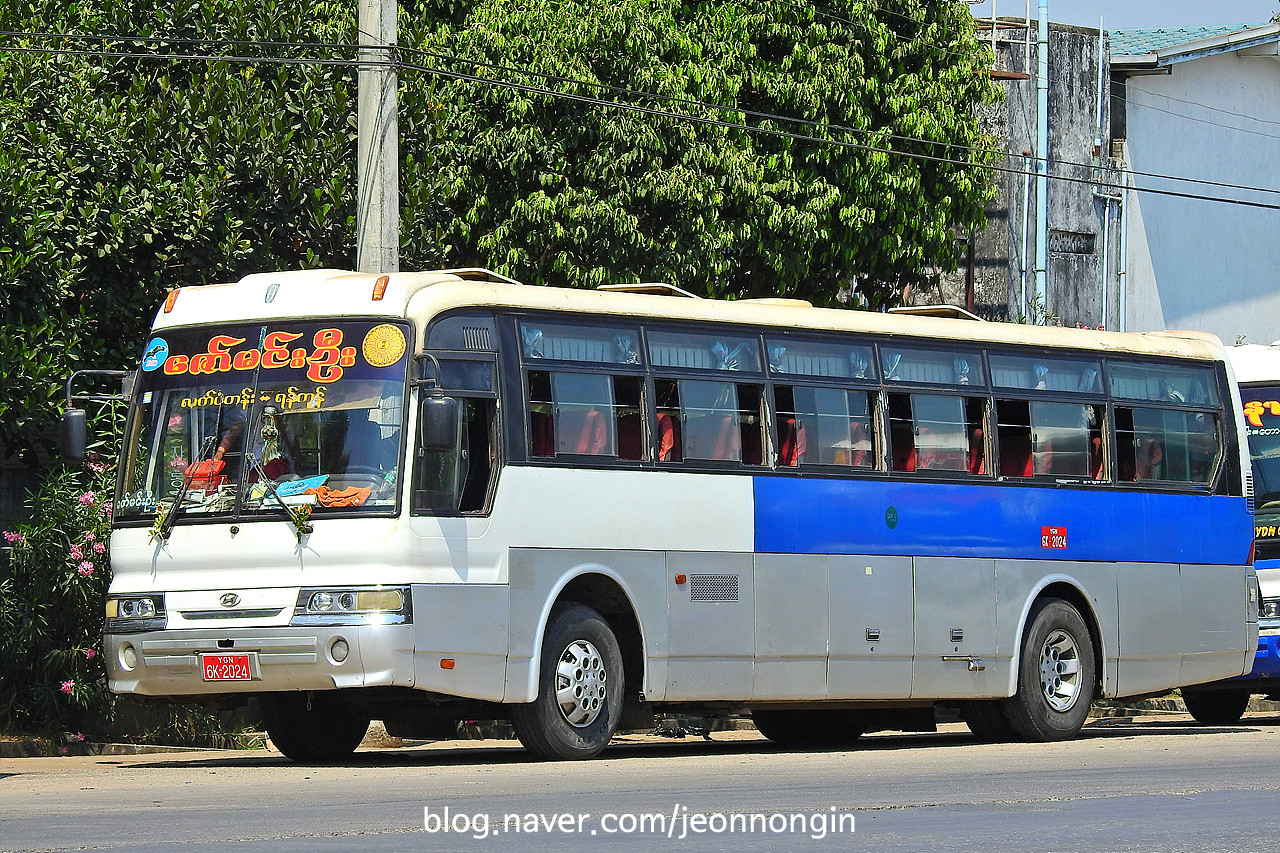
pixel 1128 14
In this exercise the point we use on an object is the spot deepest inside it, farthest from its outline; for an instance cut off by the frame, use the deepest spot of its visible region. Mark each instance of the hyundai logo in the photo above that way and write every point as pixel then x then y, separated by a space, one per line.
pixel 229 599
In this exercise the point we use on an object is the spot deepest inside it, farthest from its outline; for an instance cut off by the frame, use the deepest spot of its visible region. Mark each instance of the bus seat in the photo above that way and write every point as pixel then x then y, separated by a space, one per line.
pixel 791 442
pixel 1095 457
pixel 1015 455
pixel 363 445
pixel 629 436
pixel 977 462
pixel 583 432
pixel 668 438
pixel 542 434
pixel 728 444
pixel 904 458
pixel 1149 456
pixel 1043 458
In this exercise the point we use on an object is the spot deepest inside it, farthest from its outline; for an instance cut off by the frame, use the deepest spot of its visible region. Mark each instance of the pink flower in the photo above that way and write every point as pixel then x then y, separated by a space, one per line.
pixel 107 508
pixel 175 421
pixel 87 499
pixel 68 686
pixel 88 536
pixel 99 548
pixel 13 538
pixel 76 553
pixel 90 654
pixel 62 750
pixel 86 568
pixel 177 463
pixel 78 737
pixel 97 467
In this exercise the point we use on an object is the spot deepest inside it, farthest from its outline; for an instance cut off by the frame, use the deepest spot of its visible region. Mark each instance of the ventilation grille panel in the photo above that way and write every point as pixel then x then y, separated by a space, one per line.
pixel 476 338
pixel 713 587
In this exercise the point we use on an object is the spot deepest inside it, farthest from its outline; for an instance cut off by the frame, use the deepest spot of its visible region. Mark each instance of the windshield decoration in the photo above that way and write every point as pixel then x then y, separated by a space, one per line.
pixel 324 354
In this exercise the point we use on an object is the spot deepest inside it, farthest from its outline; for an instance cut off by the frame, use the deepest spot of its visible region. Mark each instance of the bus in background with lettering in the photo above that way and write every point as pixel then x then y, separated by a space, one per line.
pixel 431 496
pixel 1257 369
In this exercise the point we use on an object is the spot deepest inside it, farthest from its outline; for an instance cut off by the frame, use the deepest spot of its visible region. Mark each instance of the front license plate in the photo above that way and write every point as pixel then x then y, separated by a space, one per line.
pixel 226 667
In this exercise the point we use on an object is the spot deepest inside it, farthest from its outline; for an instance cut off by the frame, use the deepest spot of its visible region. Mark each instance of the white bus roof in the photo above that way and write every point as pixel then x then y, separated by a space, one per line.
pixel 1255 363
pixel 422 295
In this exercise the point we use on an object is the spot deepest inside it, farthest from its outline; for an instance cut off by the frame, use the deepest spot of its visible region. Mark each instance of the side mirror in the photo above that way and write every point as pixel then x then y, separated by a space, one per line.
pixel 439 424
pixel 75 435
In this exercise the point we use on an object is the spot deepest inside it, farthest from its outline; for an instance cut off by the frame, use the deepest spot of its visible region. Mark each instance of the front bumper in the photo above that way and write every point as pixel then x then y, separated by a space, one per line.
pixel 1266 663
pixel 167 662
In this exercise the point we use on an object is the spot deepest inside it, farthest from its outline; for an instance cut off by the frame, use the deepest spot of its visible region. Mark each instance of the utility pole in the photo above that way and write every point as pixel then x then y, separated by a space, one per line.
pixel 377 146
pixel 1042 165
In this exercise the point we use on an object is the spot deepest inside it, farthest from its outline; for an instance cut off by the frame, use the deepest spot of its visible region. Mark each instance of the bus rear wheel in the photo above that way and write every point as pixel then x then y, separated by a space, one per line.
pixel 986 719
pixel 810 726
pixel 580 684
pixel 1216 707
pixel 314 727
pixel 1056 674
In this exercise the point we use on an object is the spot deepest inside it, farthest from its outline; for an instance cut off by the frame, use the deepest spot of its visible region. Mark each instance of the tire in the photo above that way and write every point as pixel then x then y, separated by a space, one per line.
pixel 580 687
pixel 315 727
pixel 986 719
pixel 1216 707
pixel 810 726
pixel 1056 674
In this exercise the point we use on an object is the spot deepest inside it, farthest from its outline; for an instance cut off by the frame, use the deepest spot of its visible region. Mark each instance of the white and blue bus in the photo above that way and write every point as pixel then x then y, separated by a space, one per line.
pixel 1257 369
pixel 432 496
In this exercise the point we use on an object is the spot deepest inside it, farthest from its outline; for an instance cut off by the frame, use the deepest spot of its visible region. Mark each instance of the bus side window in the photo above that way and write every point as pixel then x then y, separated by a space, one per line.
pixel 1013 438
pixel 478 431
pixel 824 426
pixel 542 430
pixel 453 482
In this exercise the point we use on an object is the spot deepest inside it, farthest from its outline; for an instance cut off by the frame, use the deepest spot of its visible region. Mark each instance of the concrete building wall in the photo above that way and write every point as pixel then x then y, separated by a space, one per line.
pixel 1083 237
pixel 1197 264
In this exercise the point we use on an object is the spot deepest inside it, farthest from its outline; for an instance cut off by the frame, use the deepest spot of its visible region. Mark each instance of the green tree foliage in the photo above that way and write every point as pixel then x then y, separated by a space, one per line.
pixel 129 176
pixel 550 190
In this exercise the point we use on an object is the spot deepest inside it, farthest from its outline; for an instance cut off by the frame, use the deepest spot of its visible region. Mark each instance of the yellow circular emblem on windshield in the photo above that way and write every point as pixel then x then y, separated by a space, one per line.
pixel 383 345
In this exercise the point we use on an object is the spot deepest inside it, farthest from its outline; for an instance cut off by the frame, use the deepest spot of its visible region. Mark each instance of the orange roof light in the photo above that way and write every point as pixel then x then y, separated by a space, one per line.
pixel 170 299
pixel 380 287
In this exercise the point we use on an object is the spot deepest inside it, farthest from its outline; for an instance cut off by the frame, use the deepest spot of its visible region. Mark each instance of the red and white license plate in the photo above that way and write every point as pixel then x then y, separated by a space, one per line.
pixel 226 667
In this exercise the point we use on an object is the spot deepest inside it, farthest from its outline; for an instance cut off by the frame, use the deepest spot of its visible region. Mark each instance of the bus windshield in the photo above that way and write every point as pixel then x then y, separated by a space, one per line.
pixel 251 419
pixel 1262 420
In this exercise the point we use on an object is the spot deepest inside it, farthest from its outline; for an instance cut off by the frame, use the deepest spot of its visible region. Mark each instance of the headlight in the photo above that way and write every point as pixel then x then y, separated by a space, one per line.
pixel 367 606
pixel 1270 608
pixel 127 614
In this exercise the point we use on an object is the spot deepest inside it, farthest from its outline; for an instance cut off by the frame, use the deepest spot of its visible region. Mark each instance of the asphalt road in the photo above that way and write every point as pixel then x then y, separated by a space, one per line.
pixel 1152 784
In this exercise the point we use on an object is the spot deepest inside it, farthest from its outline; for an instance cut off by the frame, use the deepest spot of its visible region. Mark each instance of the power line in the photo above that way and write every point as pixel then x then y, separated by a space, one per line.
pixel 528 89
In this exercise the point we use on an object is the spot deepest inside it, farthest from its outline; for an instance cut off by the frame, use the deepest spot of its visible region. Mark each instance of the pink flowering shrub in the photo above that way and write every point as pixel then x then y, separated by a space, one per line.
pixel 51 676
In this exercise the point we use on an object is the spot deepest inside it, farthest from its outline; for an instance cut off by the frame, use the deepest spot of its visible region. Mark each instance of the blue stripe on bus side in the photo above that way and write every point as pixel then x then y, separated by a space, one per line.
pixel 811 515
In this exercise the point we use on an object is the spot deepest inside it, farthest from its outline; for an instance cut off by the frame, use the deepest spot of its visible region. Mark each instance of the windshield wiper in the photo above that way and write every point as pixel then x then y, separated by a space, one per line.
pixel 300 527
pixel 171 514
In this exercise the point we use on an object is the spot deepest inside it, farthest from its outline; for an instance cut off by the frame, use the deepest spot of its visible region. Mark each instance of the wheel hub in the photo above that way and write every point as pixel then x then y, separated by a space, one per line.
pixel 1060 670
pixel 581 683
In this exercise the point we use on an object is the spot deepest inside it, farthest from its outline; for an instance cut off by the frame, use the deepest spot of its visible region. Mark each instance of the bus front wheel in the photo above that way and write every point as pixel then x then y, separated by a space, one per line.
pixel 580 684
pixel 1216 707
pixel 314 727
pixel 1056 674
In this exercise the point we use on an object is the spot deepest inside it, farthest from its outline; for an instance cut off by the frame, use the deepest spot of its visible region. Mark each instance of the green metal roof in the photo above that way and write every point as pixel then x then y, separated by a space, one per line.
pixel 1136 42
